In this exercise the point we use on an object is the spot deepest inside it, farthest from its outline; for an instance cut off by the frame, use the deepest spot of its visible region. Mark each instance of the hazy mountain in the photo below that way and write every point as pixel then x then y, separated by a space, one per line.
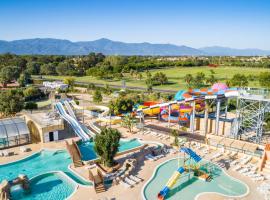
pixel 226 51
pixel 65 47
pixel 109 47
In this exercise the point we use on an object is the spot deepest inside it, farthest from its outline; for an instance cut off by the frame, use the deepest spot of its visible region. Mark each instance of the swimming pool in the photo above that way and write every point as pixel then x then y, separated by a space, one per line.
pixel 88 152
pixel 40 163
pixel 188 187
pixel 52 186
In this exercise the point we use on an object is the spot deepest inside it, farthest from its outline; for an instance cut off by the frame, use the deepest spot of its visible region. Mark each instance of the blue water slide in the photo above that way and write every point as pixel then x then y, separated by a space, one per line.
pixel 74 123
pixel 179 95
pixel 191 153
pixel 72 114
pixel 69 109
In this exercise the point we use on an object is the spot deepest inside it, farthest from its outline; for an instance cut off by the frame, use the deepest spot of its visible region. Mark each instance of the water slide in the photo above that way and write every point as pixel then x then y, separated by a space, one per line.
pixel 73 122
pixel 177 173
pixel 69 109
pixel 71 112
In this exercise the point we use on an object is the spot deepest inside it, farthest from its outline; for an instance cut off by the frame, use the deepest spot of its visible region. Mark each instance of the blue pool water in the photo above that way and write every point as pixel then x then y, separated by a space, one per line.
pixel 88 152
pixel 47 186
pixel 188 187
pixel 39 163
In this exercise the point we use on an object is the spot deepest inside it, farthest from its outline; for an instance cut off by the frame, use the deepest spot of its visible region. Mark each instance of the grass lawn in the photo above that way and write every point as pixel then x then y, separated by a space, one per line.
pixel 43 103
pixel 175 76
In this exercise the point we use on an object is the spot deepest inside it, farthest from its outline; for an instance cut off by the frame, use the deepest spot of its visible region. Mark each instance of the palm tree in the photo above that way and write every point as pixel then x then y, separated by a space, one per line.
pixel 188 78
pixel 128 121
pixel 175 134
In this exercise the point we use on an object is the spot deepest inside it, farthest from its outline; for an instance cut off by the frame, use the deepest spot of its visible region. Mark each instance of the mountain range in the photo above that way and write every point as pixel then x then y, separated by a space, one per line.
pixel 49 46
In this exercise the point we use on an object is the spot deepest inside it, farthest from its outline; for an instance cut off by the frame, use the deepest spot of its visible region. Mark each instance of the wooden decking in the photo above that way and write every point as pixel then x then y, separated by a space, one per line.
pixel 74 153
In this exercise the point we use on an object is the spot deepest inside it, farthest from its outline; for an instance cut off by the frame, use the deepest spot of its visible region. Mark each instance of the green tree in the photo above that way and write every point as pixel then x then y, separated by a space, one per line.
pixel 24 79
pixel 188 78
pixel 97 96
pixel 91 86
pixel 128 121
pixel 33 68
pixel 264 79
pixel 32 93
pixel 175 135
pixel 121 105
pixel 211 79
pixel 107 89
pixel 140 76
pixel 239 80
pixel 159 79
pixel 47 69
pixel 11 102
pixel 70 81
pixel 199 80
pixel 66 68
pixel 106 145
pixel 8 74
pixel 30 105
pixel 149 81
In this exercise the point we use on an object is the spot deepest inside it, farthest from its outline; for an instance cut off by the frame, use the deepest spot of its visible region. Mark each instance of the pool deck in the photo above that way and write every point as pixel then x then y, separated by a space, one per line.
pixel 145 170
pixel 118 192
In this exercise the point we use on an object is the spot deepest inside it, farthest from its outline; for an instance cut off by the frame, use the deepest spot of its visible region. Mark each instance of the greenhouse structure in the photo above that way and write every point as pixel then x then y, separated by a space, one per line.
pixel 13 132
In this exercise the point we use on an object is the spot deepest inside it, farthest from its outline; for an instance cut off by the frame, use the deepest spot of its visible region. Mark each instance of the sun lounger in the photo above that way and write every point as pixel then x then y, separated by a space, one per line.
pixel 260 178
pixel 237 168
pixel 8 153
pixel 135 178
pixel 217 155
pixel 249 173
pixel 233 154
pixel 234 162
pixel 126 185
pixel 222 165
pixel 255 175
pixel 159 156
pixel 244 170
pixel 246 160
pixel 129 181
pixel 167 137
pixel 149 157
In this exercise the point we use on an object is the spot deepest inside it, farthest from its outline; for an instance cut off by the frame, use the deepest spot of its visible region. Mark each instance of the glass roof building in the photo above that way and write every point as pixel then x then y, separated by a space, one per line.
pixel 13 132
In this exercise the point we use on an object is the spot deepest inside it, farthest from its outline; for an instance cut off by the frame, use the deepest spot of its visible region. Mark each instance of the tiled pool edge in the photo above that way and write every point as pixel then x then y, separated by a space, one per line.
pixel 69 167
pixel 68 179
pixel 198 195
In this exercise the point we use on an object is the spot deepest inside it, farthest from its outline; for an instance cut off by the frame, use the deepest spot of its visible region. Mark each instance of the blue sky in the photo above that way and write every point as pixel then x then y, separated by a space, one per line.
pixel 195 23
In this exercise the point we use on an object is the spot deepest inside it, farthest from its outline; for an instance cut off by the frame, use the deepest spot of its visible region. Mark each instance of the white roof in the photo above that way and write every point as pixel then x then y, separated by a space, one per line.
pixel 13 127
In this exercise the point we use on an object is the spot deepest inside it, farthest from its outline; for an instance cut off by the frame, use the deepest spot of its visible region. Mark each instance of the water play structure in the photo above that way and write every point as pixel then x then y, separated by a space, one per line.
pixel 186 167
pixel 5 186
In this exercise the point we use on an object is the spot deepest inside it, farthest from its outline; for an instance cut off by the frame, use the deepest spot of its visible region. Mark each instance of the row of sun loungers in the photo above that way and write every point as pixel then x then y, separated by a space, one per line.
pixel 7 153
pixel 249 170
pixel 153 158
pixel 157 135
pixel 215 156
pixel 130 181
pixel 264 188
pixel 242 161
